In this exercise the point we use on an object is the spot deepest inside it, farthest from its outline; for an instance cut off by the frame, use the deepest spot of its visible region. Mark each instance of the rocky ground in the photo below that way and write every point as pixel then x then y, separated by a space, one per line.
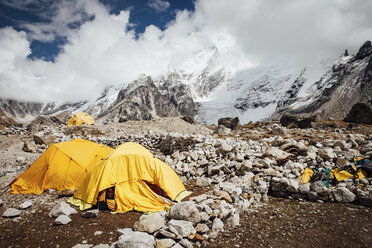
pixel 246 183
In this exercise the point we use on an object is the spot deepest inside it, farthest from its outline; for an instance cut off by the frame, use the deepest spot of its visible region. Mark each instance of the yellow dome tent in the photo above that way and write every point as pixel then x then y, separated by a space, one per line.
pixel 130 168
pixel 79 119
pixel 61 166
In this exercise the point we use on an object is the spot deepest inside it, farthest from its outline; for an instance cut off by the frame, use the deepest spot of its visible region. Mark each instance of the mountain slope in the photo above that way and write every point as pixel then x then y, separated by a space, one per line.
pixel 141 100
pixel 27 111
pixel 205 89
pixel 348 82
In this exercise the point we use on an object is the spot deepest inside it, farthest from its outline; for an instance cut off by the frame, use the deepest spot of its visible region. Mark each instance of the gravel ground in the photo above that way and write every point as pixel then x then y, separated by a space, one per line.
pixel 279 223
pixel 291 223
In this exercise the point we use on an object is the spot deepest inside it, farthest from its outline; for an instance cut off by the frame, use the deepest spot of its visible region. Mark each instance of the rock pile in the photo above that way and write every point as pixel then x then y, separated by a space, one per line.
pixel 241 174
pixel 187 224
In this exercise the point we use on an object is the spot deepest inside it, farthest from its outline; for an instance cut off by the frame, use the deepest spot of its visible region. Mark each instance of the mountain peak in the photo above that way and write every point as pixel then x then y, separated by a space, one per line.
pixel 364 51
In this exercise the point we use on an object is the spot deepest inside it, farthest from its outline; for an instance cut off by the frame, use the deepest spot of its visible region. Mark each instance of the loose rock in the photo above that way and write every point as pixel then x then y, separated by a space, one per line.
pixel 185 211
pixel 25 204
pixel 184 228
pixel 11 213
pixel 62 220
pixel 136 240
pixel 61 208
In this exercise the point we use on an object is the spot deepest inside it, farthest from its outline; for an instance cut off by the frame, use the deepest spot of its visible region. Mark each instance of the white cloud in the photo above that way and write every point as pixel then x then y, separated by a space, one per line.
pixel 63 15
pixel 103 52
pixel 158 5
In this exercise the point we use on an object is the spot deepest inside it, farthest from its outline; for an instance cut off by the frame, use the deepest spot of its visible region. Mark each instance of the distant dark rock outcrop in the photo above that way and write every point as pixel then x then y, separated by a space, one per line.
pixel 364 51
pixel 293 121
pixel 360 113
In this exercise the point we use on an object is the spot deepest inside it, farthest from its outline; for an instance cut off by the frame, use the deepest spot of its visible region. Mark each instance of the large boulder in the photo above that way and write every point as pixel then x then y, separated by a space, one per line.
pixel 185 211
pixel 150 222
pixel 359 113
pixel 294 121
pixel 342 194
pixel 232 123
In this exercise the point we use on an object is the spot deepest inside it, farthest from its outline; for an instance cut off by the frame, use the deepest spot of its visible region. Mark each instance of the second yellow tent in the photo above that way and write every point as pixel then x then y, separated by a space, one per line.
pixel 130 168
pixel 79 119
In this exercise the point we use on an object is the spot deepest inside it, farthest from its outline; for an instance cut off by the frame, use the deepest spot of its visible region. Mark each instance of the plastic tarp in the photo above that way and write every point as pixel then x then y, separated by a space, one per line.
pixel 338 174
pixel 341 175
pixel 129 168
pixel 61 166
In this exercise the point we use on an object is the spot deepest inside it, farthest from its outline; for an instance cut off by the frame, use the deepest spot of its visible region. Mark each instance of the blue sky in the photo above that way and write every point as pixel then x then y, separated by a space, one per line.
pixel 142 14
pixel 70 50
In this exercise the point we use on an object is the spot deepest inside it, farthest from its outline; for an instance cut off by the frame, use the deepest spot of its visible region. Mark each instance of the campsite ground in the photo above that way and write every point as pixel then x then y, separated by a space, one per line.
pixel 277 223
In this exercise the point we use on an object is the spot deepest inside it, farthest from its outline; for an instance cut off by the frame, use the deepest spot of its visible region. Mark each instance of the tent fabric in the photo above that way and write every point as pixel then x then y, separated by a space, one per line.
pixel 129 168
pixel 79 119
pixel 61 166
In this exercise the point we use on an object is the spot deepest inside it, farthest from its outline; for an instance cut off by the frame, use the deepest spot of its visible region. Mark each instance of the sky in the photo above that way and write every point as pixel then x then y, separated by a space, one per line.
pixel 67 51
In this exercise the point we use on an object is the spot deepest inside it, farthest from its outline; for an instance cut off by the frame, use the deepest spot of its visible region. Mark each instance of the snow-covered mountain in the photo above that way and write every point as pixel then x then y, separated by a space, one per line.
pixel 204 88
pixel 27 111
pixel 347 82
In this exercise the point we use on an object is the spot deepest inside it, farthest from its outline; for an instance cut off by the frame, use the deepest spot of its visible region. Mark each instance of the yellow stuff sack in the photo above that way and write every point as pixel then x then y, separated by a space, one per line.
pixel 307 175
